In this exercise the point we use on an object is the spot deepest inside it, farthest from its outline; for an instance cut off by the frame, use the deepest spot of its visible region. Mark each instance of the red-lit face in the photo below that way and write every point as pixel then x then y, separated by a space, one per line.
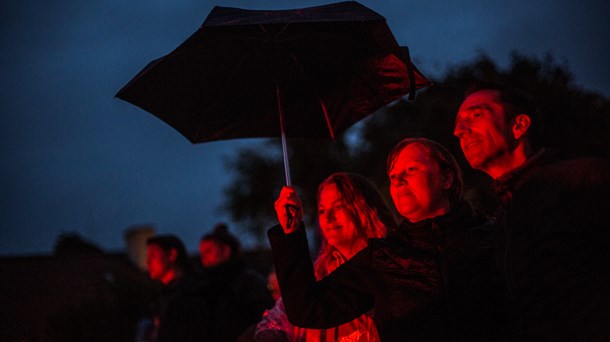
pixel 335 223
pixel 485 138
pixel 212 253
pixel 417 185
pixel 158 263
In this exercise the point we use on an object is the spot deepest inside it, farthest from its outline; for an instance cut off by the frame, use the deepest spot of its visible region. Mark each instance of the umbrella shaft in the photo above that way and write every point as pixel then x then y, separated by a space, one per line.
pixel 286 164
pixel 284 144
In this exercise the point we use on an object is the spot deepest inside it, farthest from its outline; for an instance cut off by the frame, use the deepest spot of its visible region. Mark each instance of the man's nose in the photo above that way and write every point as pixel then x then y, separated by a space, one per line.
pixel 460 129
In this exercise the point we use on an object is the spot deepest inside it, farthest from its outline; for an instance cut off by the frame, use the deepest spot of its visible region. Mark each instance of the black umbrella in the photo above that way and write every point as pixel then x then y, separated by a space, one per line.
pixel 310 72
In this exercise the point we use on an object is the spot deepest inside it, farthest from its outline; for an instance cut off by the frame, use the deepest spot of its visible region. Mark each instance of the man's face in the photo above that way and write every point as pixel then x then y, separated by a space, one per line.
pixel 417 185
pixel 480 125
pixel 212 253
pixel 158 262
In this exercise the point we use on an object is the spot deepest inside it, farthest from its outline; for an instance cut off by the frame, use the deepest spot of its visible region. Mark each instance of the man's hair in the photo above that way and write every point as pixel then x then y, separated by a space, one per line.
pixel 169 242
pixel 516 101
pixel 441 156
pixel 221 236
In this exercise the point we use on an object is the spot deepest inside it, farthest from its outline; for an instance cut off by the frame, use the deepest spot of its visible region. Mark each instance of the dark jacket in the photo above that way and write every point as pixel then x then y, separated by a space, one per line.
pixel 462 245
pixel 237 297
pixel 403 278
pixel 183 313
pixel 554 248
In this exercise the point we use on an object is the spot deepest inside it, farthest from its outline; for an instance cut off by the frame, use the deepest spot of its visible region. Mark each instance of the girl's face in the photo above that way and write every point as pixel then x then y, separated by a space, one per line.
pixel 335 223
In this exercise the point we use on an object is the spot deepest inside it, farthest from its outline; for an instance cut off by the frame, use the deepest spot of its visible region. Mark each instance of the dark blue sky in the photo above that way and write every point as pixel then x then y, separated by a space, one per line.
pixel 76 159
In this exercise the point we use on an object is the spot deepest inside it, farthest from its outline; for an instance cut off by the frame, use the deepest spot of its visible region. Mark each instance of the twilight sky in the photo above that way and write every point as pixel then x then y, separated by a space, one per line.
pixel 76 159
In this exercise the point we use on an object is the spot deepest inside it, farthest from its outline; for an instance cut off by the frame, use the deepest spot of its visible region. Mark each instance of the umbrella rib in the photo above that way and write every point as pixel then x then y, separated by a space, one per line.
pixel 328 123
pixel 275 38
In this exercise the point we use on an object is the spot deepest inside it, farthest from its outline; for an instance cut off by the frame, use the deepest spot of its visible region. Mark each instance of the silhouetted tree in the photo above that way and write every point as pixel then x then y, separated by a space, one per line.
pixel 72 243
pixel 576 122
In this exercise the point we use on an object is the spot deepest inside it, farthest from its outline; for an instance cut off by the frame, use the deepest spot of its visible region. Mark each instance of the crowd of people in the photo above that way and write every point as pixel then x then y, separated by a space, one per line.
pixel 428 268
pixel 216 299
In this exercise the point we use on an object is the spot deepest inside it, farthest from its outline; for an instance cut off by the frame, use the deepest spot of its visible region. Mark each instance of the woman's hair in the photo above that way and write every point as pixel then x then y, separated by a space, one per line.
pixel 169 242
pixel 221 236
pixel 365 206
pixel 443 158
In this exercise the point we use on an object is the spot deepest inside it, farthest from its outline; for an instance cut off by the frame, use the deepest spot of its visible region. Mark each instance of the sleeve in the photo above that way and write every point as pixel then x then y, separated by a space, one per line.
pixel 338 298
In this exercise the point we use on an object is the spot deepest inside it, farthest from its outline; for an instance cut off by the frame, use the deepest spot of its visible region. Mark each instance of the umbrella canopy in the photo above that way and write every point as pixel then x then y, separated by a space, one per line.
pixel 310 72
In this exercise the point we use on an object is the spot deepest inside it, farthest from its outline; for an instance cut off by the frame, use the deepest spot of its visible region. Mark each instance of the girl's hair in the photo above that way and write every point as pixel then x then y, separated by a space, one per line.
pixel 442 157
pixel 365 206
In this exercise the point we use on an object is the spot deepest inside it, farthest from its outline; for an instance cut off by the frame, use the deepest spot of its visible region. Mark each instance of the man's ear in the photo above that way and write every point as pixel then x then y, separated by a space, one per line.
pixel 521 125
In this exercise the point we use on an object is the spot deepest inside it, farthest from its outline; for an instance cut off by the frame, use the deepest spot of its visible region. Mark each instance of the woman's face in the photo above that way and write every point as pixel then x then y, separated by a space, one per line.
pixel 335 223
pixel 212 253
pixel 417 185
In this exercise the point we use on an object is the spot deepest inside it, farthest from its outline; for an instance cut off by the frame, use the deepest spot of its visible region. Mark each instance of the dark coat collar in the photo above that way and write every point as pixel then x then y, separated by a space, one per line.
pixel 461 215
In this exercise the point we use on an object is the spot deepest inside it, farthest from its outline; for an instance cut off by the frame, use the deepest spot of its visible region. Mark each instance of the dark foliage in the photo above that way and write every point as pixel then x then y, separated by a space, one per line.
pixel 72 243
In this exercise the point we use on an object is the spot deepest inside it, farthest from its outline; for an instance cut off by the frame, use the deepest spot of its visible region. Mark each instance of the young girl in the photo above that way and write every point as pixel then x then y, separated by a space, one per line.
pixel 350 211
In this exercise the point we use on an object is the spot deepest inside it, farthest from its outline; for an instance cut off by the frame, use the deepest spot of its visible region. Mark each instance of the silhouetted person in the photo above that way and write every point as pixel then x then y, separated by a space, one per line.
pixel 182 314
pixel 237 295
pixel 553 236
